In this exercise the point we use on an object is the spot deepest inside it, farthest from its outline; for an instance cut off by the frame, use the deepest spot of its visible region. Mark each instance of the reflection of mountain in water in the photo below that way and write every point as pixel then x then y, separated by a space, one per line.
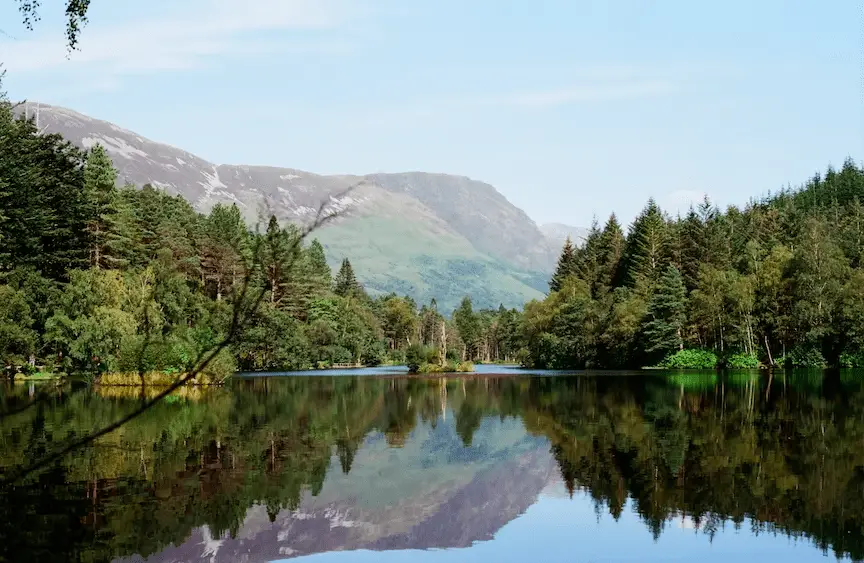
pixel 432 493
pixel 273 468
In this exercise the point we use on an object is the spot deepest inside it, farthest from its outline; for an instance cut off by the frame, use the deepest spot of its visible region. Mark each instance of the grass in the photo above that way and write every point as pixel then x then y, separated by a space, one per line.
pixel 40 376
pixel 151 378
pixel 449 367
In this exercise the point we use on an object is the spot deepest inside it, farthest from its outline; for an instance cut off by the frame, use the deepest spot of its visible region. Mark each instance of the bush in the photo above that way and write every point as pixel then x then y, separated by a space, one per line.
pixel 465 367
pixel 852 359
pixel 417 355
pixel 803 357
pixel 691 359
pixel 743 361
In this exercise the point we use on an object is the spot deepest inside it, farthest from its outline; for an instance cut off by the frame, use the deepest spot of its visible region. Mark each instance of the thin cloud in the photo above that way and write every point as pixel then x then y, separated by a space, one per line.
pixel 186 39
pixel 586 93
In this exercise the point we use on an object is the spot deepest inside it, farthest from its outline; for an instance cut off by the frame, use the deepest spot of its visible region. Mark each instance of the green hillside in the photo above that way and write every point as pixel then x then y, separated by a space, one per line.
pixel 420 259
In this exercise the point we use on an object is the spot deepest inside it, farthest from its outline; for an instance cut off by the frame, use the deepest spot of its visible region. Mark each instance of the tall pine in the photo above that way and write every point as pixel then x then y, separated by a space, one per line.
pixel 108 222
pixel 346 284
pixel 667 314
pixel 647 246
pixel 566 266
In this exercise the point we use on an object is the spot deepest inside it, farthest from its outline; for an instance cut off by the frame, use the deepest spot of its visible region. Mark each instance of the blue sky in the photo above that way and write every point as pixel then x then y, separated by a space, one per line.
pixel 570 108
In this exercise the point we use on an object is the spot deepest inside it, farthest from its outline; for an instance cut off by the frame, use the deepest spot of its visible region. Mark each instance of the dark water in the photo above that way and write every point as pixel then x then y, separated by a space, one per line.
pixel 650 467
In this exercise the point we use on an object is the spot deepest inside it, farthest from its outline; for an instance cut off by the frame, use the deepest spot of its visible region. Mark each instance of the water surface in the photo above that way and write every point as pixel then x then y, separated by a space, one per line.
pixel 647 467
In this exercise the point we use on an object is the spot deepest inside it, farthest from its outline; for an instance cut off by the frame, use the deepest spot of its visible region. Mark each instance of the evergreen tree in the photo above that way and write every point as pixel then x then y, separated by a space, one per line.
pixel 346 283
pixel 469 328
pixel 611 252
pixel 566 266
pixel 108 221
pixel 319 272
pixel 647 252
pixel 41 198
pixel 667 309
pixel 277 250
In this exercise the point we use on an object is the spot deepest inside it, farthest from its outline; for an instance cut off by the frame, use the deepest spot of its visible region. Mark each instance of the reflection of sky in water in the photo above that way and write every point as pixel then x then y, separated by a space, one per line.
pixel 558 529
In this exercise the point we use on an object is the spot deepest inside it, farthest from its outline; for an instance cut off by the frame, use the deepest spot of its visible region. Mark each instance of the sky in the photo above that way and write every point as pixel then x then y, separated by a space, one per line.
pixel 571 109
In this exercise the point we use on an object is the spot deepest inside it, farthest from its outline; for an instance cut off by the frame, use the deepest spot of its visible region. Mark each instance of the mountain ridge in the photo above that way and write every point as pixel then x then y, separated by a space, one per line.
pixel 417 233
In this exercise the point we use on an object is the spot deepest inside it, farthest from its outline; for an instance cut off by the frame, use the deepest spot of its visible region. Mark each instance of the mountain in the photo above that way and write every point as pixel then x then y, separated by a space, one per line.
pixel 557 233
pixel 415 233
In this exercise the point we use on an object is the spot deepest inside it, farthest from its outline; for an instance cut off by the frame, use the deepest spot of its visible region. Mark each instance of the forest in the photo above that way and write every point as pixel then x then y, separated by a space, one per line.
pixel 106 281
pixel 101 280
pixel 779 282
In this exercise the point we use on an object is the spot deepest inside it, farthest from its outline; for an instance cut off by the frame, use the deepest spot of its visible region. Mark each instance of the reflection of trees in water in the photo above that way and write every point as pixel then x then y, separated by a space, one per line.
pixel 787 456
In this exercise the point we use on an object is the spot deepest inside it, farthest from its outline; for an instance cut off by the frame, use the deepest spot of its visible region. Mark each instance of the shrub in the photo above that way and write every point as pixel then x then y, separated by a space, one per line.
pixel 693 358
pixel 417 355
pixel 465 367
pixel 742 361
pixel 803 357
pixel 852 359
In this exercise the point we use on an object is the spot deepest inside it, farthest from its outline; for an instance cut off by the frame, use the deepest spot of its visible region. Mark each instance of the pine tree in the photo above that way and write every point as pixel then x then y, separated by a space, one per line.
pixel 611 252
pixel 667 309
pixel 318 270
pixel 647 252
pixel 345 283
pixel 41 198
pixel 277 248
pixel 107 223
pixel 566 266
pixel 691 238
pixel 468 325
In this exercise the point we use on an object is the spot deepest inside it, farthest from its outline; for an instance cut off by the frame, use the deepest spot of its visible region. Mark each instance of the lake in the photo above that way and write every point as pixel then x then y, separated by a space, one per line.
pixel 646 466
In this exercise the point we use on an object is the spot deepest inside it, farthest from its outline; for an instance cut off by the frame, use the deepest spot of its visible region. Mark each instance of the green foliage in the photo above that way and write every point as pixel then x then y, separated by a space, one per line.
pixel 566 266
pixel 779 281
pixel 17 337
pixel 742 361
pixel 852 359
pixel 346 283
pixel 418 355
pixel 803 357
pixel 667 314
pixel 691 359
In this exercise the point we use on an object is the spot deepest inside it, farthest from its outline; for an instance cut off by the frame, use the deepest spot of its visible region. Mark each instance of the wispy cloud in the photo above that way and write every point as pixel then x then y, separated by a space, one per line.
pixel 586 92
pixel 185 39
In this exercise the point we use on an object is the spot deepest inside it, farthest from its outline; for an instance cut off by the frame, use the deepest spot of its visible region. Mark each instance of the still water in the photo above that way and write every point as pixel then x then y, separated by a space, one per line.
pixel 575 468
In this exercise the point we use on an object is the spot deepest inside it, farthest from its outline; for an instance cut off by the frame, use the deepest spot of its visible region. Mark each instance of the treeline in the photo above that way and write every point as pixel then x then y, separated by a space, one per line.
pixel 98 279
pixel 777 282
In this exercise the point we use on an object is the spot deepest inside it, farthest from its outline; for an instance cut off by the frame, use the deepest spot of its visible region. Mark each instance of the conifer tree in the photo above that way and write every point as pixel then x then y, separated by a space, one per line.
pixel 108 223
pixel 667 309
pixel 647 252
pixel 345 283
pixel 318 270
pixel 276 258
pixel 611 252
pixel 41 198
pixel 566 266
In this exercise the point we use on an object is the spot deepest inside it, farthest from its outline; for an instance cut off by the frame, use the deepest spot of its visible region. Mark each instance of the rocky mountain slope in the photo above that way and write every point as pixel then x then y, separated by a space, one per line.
pixel 425 235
